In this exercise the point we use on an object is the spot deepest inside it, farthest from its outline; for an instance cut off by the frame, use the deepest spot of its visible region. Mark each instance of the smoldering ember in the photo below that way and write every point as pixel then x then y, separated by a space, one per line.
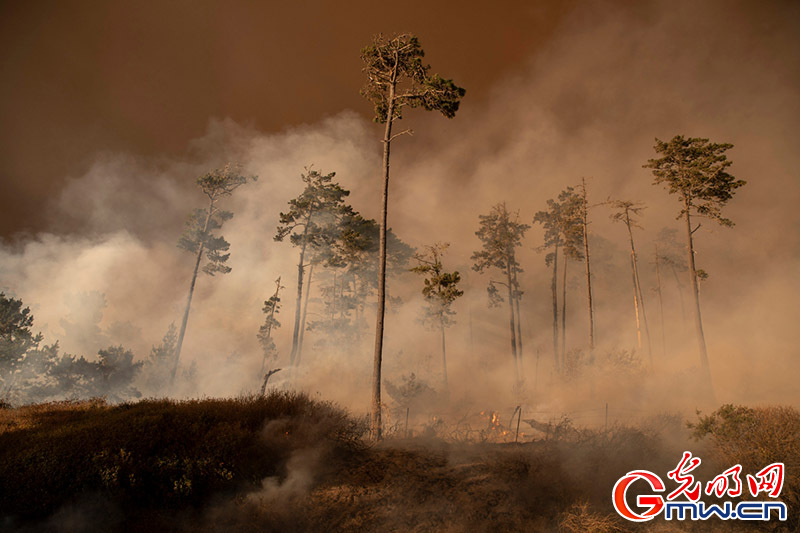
pixel 511 266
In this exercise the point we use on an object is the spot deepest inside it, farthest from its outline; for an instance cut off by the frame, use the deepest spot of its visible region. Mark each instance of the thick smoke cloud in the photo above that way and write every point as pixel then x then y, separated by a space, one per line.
pixel 589 104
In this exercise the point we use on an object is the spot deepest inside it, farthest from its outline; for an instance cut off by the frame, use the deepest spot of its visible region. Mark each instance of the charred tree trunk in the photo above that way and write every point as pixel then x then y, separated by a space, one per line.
pixel 358 311
pixel 185 320
pixel 376 426
pixel 660 305
pixel 680 293
pixel 648 344
pixel 636 306
pixel 638 299
pixel 444 354
pixel 564 315
pixel 299 300
pixel 554 288
pixel 266 379
pixel 271 316
pixel 698 321
pixel 517 298
pixel 299 355
pixel 512 321
pixel 585 221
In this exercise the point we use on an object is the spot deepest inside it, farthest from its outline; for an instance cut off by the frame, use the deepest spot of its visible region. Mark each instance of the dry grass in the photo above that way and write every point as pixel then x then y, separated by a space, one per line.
pixel 286 463
pixel 156 454
pixel 756 437
pixel 580 519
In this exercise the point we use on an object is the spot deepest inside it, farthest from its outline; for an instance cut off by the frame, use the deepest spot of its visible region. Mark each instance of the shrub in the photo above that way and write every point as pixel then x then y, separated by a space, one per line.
pixel 579 519
pixel 756 437
pixel 157 453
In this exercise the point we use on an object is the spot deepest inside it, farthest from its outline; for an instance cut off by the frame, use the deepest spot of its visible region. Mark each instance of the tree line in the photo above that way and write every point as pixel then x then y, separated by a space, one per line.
pixel 349 257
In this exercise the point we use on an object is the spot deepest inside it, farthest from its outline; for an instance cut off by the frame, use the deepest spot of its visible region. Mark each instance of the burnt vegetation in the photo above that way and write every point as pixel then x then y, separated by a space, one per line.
pixel 287 463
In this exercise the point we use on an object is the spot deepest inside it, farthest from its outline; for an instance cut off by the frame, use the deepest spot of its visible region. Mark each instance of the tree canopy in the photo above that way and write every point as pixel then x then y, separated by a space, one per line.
pixel 398 77
pixel 440 288
pixel 501 234
pixel 697 171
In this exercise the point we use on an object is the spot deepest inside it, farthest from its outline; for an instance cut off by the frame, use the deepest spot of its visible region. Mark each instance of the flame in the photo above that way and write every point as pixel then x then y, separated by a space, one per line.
pixel 495 429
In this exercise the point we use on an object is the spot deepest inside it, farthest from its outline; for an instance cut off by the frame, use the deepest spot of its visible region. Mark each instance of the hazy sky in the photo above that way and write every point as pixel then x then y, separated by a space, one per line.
pixel 81 77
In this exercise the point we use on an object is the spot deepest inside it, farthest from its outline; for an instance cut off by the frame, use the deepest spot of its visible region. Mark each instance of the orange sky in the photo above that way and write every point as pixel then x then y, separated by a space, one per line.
pixel 81 77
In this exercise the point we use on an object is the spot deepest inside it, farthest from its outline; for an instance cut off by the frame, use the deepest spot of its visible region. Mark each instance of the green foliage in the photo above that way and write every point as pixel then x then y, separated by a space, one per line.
pixel 222 182
pixel 562 224
pixel 15 325
pixel 30 372
pixel 351 276
pixel 440 288
pixel 198 235
pixel 314 216
pixel 46 375
pixel 696 170
pixel 397 77
pixel 356 249
pixel 271 308
pixel 16 340
pixel 627 212
pixel 501 234
pixel 115 371
pixel 331 234
pixel 199 232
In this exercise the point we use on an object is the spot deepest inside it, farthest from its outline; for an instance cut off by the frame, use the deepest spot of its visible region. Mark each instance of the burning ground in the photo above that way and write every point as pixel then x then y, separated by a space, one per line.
pixel 287 463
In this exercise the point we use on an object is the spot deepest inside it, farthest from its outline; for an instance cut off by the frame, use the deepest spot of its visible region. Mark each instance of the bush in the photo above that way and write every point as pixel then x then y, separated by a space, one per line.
pixel 579 519
pixel 157 453
pixel 756 437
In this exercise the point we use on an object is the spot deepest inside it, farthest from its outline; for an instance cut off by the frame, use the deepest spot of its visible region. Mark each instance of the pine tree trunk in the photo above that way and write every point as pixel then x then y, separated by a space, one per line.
pixel 444 354
pixel 660 306
pixel 333 298
pixel 588 267
pixel 554 288
pixel 471 339
pixel 358 311
pixel 564 315
pixel 185 319
pixel 680 293
pixel 517 298
pixel 271 316
pixel 512 322
pixel 299 301
pixel 376 426
pixel 636 306
pixel 698 321
pixel 266 380
pixel 638 297
pixel 307 283
pixel 638 282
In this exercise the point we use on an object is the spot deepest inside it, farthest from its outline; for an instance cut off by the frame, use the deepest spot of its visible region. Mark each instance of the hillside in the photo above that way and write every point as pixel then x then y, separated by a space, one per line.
pixel 288 463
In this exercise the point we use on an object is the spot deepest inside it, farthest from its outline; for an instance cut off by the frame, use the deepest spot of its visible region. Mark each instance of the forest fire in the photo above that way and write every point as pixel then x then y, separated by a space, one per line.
pixel 495 431
pixel 284 221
